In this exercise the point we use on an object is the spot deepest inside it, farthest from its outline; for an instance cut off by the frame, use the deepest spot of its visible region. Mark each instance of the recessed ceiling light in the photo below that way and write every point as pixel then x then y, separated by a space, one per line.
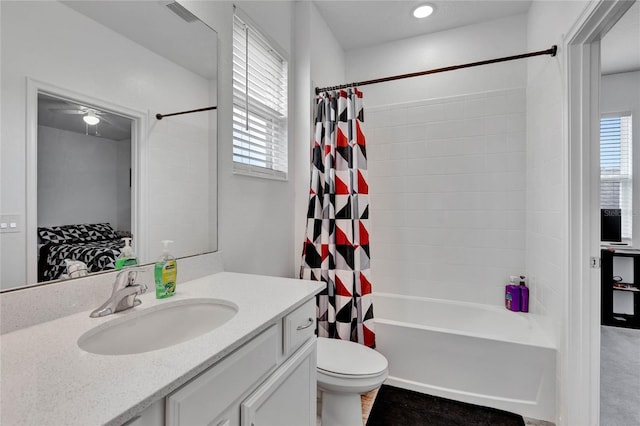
pixel 423 11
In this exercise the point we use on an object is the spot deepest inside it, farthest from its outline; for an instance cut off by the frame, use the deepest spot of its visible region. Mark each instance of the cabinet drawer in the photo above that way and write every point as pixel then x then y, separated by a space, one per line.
pixel 299 326
pixel 206 397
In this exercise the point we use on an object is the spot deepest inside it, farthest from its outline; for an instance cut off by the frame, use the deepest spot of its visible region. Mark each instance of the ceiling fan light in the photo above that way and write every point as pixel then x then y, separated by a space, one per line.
pixel 423 11
pixel 91 119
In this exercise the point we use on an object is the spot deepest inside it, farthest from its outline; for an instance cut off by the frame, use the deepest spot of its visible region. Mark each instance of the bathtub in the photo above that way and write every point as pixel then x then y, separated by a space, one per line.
pixel 468 352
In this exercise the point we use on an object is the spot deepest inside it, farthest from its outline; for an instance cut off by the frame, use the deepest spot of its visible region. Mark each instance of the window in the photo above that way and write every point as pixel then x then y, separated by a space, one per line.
pixel 616 168
pixel 259 105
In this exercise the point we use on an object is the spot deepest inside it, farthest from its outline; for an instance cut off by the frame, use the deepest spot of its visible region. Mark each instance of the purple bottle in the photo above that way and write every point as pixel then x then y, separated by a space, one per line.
pixel 512 295
pixel 524 295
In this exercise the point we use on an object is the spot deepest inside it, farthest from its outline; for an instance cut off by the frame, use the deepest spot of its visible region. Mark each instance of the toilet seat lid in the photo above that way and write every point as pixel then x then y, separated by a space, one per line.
pixel 349 358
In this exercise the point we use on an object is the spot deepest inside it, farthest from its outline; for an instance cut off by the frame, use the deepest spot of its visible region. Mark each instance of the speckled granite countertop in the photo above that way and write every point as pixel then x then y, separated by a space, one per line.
pixel 46 379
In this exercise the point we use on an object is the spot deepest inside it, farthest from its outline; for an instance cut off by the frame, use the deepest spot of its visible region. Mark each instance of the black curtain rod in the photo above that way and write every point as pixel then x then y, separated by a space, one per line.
pixel 551 52
pixel 161 116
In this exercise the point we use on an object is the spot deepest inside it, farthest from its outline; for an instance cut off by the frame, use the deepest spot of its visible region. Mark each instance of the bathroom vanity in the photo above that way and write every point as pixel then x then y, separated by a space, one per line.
pixel 259 367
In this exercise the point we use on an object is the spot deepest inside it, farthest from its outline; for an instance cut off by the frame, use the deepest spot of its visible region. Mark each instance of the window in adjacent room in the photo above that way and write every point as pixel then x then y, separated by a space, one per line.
pixel 259 104
pixel 616 171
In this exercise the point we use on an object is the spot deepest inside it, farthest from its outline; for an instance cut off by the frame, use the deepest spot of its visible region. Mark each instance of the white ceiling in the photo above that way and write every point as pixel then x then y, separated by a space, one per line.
pixel 362 23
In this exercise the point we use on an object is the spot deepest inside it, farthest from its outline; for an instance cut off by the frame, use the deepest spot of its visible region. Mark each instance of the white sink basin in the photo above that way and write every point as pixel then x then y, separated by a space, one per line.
pixel 158 327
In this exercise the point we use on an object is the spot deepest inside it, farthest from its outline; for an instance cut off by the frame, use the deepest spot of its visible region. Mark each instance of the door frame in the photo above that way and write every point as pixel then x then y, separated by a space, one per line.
pixel 582 80
pixel 139 154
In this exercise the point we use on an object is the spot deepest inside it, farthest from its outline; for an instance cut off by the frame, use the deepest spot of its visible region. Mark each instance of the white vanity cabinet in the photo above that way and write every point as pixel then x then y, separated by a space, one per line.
pixel 269 381
pixel 257 368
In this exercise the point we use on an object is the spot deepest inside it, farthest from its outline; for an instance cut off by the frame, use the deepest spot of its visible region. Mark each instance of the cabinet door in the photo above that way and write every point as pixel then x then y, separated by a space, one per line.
pixel 288 396
pixel 205 399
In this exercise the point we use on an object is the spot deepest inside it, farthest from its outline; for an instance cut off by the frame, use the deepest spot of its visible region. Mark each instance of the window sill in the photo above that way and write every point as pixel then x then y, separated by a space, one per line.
pixel 259 173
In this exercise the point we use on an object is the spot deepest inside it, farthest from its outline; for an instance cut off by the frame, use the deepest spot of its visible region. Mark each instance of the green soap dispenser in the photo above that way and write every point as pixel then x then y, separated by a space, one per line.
pixel 127 257
pixel 165 272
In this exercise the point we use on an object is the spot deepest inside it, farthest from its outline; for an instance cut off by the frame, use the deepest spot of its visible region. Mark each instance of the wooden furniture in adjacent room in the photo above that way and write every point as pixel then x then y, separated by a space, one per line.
pixel 611 284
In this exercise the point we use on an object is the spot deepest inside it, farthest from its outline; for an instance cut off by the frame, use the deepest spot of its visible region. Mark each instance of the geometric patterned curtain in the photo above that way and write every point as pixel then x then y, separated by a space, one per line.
pixel 336 249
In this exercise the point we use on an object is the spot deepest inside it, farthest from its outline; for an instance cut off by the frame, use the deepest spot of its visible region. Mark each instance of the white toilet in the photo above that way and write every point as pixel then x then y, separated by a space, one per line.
pixel 345 371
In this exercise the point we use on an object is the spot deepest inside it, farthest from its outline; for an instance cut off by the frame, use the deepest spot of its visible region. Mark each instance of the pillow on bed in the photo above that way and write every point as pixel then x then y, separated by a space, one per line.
pixel 60 234
pixel 51 234
pixel 76 233
pixel 99 231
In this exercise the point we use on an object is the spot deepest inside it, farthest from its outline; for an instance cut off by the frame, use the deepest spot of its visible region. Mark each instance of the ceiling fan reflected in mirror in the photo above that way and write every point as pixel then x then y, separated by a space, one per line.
pixel 90 116
pixel 65 114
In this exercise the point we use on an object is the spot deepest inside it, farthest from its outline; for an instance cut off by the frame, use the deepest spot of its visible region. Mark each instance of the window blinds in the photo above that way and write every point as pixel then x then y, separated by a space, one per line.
pixel 259 105
pixel 616 171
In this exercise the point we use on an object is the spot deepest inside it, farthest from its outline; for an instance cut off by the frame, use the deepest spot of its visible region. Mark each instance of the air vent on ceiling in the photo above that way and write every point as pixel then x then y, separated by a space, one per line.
pixel 179 10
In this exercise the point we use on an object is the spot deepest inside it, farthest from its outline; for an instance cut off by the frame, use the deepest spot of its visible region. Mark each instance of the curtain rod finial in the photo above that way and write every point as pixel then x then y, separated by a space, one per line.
pixel 159 116
pixel 554 50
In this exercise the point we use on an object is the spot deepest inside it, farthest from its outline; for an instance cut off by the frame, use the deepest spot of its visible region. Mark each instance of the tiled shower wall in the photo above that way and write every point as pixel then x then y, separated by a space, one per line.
pixel 447 184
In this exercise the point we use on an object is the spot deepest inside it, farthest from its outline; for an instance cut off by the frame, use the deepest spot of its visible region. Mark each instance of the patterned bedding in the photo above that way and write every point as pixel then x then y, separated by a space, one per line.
pixel 97 245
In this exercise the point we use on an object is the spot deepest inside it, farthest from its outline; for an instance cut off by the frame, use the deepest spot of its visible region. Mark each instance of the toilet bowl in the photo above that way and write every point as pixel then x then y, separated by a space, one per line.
pixel 345 371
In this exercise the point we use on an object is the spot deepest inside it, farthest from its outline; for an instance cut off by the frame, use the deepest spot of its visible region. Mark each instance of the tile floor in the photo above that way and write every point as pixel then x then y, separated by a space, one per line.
pixel 367 404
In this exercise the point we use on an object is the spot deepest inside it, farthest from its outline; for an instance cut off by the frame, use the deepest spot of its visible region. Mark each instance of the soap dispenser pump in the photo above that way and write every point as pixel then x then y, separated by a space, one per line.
pixel 165 273
pixel 524 295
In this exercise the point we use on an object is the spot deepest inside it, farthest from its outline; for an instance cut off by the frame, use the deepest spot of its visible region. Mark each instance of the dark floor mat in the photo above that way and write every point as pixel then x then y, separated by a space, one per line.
pixel 401 407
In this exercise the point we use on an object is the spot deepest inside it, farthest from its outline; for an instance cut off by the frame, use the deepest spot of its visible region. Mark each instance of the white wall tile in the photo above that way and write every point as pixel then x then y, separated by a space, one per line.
pixel 457 146
pixel 425 114
pixel 448 196
pixel 416 132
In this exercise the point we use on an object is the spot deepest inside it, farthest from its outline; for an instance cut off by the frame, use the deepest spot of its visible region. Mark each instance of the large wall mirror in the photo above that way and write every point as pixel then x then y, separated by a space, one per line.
pixel 85 162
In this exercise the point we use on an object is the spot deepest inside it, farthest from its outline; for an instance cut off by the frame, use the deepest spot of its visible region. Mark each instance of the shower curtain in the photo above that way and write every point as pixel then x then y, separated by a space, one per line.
pixel 336 249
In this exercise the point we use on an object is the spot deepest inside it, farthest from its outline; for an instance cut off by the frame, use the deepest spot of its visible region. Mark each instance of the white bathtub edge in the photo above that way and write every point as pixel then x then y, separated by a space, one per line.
pixel 545 339
pixel 443 392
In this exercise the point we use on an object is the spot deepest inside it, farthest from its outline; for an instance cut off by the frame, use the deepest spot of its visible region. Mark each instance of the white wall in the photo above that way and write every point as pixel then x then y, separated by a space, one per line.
pixel 320 61
pixel 82 179
pixel 547 176
pixel 620 93
pixel 446 162
pixel 49 42
pixel 255 216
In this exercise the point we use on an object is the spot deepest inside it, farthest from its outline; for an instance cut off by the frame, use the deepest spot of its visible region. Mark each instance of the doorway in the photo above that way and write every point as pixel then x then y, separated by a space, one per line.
pixel 83 168
pixel 583 126
pixel 619 167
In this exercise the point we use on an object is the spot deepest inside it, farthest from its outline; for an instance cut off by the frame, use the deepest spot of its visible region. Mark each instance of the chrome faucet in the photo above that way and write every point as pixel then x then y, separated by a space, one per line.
pixel 123 295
